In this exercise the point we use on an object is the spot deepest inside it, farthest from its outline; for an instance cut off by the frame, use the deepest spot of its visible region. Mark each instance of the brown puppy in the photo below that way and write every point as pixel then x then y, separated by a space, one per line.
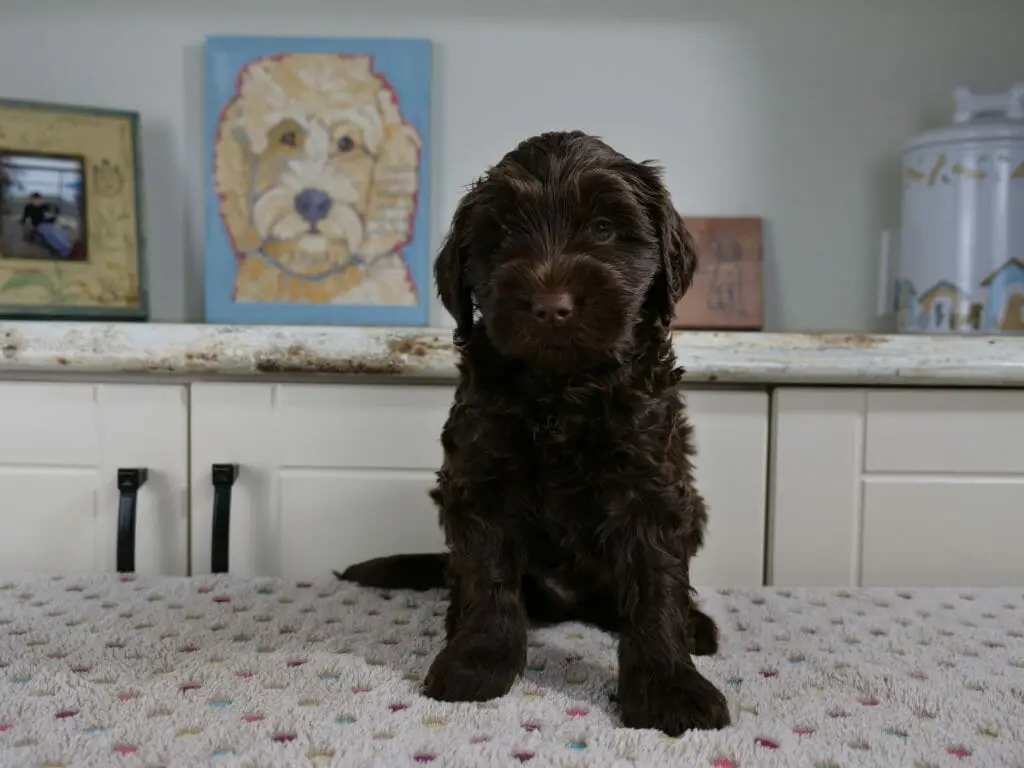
pixel 567 487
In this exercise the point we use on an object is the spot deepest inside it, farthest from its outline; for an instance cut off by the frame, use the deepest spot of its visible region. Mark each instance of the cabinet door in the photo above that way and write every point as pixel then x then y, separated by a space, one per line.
pixel 328 474
pixel 731 429
pixel 943 488
pixel 333 474
pixel 61 447
pixel 814 513
pixel 897 488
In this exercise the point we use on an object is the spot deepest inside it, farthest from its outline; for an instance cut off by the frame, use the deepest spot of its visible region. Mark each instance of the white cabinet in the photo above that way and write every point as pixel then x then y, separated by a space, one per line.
pixel 849 486
pixel 328 474
pixel 61 445
pixel 333 474
pixel 897 487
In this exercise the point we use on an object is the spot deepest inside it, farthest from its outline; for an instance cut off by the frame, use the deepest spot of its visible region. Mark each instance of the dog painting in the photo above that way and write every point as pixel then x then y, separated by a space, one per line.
pixel 317 169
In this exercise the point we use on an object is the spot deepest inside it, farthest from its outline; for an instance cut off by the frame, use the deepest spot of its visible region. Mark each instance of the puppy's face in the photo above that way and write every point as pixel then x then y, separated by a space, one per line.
pixel 564 247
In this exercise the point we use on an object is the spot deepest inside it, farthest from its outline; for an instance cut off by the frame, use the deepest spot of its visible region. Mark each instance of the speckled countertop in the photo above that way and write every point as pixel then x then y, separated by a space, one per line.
pixel 426 353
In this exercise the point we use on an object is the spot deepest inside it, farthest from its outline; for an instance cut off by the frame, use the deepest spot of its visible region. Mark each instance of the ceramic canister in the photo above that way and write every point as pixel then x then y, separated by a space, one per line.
pixel 961 252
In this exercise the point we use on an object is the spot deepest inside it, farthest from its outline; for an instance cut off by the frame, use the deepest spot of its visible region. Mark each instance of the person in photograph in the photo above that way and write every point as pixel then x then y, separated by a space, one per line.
pixel 40 217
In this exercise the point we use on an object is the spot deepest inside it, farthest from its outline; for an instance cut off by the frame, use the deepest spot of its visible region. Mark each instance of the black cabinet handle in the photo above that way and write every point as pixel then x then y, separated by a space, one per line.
pixel 128 483
pixel 224 476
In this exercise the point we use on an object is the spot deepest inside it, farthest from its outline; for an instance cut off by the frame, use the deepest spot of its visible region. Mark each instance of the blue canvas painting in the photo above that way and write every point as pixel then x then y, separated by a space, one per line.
pixel 317 181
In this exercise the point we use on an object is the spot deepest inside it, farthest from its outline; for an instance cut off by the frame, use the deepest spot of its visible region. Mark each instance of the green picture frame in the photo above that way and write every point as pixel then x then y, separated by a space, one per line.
pixel 72 243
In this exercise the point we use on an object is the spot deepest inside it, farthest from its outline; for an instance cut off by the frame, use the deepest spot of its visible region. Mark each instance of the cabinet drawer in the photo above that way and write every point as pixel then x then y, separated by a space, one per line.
pixel 943 532
pixel 950 431
pixel 362 426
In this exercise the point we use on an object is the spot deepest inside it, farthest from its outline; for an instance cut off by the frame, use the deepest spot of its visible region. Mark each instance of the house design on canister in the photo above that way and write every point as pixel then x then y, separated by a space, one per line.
pixel 1004 298
pixel 906 303
pixel 944 308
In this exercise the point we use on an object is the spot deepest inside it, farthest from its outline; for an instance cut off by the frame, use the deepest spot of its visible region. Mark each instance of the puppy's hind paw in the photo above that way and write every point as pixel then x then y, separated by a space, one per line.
pixel 702 633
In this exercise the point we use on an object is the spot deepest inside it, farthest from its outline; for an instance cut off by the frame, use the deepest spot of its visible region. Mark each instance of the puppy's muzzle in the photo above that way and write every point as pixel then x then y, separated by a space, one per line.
pixel 545 298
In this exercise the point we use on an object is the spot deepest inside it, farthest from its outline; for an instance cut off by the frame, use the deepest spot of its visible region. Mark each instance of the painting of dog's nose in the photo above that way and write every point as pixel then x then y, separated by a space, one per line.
pixel 553 308
pixel 313 205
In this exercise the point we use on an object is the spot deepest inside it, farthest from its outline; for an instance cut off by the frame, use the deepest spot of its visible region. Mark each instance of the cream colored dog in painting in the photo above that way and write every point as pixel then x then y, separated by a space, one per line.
pixel 318 175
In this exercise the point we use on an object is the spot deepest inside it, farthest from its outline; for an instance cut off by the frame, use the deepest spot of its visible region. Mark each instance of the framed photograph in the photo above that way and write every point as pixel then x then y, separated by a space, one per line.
pixel 71 243
pixel 318 181
pixel 727 291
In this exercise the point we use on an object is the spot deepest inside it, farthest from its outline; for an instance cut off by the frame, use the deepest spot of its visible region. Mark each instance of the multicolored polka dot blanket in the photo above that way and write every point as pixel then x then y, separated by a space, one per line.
pixel 140 671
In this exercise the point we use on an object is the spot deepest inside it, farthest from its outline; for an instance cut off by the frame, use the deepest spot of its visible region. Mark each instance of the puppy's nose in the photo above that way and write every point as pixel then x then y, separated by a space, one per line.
pixel 553 307
pixel 313 205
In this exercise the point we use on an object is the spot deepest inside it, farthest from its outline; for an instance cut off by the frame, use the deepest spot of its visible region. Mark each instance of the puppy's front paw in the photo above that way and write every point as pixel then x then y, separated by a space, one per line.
pixel 682 702
pixel 475 670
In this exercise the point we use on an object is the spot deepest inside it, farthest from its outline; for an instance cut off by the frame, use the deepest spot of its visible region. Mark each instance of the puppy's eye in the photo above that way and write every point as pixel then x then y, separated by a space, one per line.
pixel 345 144
pixel 602 230
pixel 289 139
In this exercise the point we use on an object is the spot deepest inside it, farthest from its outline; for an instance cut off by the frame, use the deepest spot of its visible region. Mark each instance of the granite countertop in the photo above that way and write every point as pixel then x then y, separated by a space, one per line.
pixel 426 353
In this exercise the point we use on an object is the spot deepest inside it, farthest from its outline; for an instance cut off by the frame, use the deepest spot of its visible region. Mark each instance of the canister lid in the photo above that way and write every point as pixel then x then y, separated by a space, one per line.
pixel 979 117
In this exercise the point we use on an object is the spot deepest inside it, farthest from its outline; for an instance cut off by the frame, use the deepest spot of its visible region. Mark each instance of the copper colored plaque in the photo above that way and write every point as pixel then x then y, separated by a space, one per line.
pixel 727 289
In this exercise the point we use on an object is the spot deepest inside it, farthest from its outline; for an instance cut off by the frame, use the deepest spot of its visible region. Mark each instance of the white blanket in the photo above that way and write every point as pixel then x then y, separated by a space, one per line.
pixel 99 671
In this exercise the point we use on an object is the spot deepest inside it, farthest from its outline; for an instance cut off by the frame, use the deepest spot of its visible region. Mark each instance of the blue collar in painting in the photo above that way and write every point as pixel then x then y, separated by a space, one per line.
pixel 354 261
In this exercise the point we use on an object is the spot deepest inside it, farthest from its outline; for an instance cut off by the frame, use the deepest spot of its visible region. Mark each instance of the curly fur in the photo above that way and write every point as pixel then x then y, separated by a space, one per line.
pixel 567 488
pixel 331 124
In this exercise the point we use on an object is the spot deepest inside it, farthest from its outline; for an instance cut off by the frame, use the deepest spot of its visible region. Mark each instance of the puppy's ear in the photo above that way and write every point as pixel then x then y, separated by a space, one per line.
pixel 678 260
pixel 450 268
pixel 678 251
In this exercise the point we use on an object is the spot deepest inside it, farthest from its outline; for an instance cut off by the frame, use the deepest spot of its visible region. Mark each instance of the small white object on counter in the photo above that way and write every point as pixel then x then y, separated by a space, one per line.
pixel 427 353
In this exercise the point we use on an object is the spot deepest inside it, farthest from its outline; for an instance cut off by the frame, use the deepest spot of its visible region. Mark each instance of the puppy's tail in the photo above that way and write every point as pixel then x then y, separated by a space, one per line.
pixel 419 572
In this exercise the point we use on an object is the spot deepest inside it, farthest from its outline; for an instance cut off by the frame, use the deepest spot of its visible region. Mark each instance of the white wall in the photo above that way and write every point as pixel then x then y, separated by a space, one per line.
pixel 790 109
